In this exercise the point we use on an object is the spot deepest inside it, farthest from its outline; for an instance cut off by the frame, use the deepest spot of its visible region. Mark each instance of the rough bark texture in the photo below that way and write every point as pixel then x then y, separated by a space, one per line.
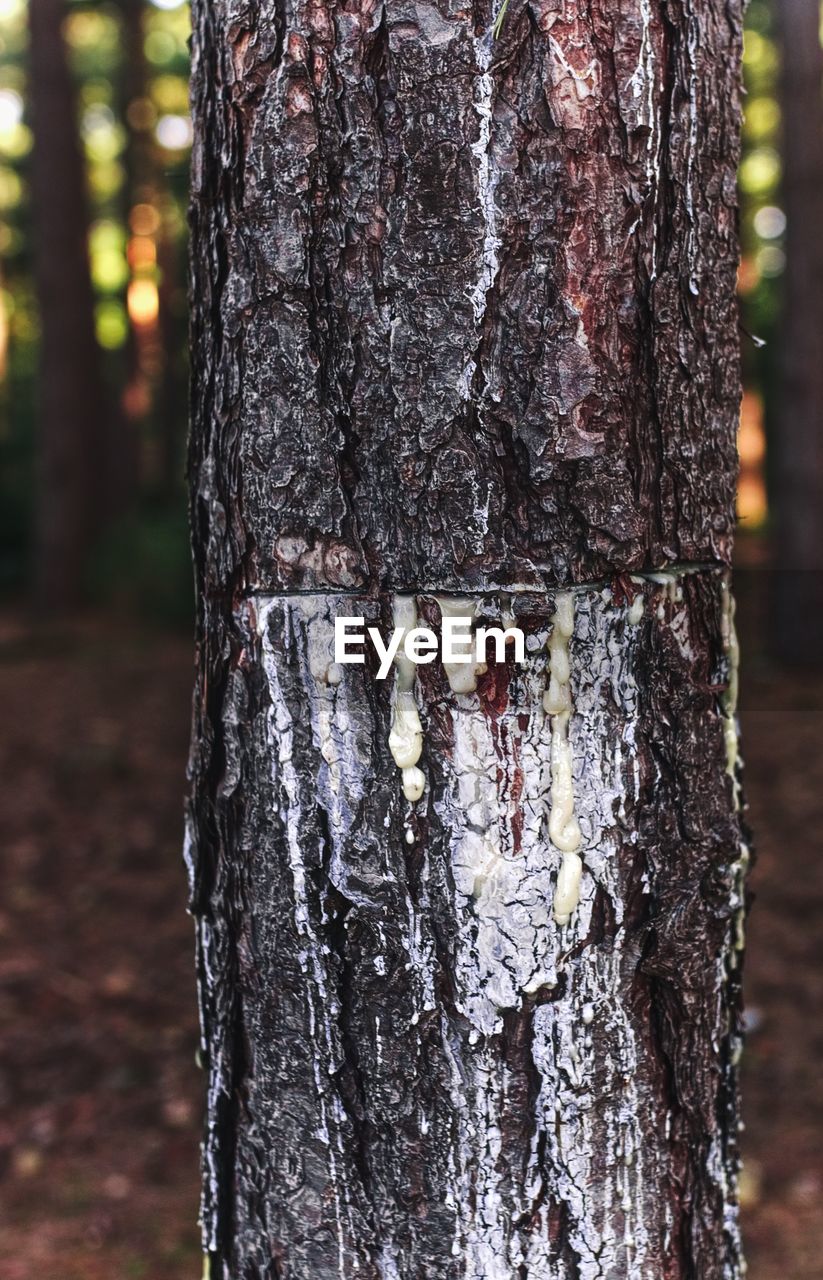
pixel 71 407
pixel 798 442
pixel 464 320
pixel 465 310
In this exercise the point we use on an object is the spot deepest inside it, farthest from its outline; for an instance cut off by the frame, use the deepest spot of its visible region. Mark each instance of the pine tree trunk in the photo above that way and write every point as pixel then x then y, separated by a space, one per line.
pixel 464 325
pixel 71 408
pixel 798 441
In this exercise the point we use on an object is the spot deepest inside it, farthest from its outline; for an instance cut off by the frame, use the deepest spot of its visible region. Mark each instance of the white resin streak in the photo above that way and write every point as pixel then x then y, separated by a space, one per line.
pixel 406 735
pixel 494 801
pixel 564 829
pixel 344 747
pixel 501 783
pixel 509 944
pixel 487 178
pixel 692 48
pixel 740 868
pixel 342 737
pixel 645 85
pixel 321 1005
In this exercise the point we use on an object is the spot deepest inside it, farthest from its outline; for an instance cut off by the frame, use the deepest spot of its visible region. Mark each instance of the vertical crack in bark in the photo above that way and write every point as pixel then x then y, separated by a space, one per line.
pixel 348 1076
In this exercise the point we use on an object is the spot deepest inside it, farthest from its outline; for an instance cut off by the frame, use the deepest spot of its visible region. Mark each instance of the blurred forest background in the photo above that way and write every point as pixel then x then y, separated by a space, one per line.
pixel 99 1094
pixel 93 368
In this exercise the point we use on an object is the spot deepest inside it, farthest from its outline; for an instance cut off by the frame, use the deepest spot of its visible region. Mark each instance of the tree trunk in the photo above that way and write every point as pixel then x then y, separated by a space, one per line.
pixel 171 391
pixel 70 411
pixel 798 441
pixel 124 457
pixel 464 326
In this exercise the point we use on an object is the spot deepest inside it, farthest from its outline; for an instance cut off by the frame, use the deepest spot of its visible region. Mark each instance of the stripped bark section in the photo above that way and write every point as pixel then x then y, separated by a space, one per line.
pixel 414 1070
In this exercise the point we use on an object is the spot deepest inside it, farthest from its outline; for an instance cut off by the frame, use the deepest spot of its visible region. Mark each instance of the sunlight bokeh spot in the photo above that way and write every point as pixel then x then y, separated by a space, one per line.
pixel 143 303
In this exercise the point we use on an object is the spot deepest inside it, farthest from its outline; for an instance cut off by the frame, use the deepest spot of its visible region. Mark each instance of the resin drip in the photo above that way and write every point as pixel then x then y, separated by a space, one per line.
pixel 406 736
pixel 729 700
pixel 730 736
pixel 564 829
pixel 462 676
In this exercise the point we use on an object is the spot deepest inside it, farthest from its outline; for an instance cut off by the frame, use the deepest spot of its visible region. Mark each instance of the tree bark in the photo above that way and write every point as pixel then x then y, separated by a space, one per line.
pixel 464 323
pixel 71 406
pixel 798 441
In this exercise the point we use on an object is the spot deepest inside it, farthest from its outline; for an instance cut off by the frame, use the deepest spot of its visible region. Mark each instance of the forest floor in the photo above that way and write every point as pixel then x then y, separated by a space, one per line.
pixel 100 1097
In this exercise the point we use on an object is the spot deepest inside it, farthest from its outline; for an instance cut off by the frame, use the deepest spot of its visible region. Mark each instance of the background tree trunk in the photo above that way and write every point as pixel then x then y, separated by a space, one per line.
pixel 171 392
pixel 464 322
pixel 71 409
pixel 125 452
pixel 799 438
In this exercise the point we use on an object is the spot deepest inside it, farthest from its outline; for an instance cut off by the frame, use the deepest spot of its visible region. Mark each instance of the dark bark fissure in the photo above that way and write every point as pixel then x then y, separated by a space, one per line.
pixel 72 448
